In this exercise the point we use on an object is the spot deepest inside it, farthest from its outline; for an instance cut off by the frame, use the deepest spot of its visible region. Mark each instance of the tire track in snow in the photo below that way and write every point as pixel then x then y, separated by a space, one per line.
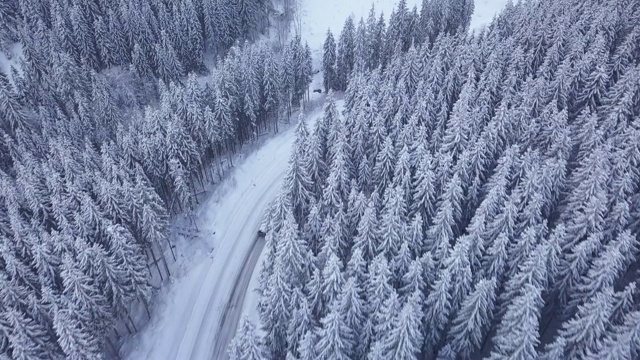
pixel 232 312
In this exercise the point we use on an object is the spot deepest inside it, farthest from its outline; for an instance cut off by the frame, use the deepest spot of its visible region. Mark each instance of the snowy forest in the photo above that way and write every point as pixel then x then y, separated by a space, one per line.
pixel 113 119
pixel 471 196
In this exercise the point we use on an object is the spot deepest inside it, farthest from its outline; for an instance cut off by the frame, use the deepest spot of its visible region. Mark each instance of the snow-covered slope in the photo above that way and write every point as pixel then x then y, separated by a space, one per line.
pixel 317 16
pixel 10 58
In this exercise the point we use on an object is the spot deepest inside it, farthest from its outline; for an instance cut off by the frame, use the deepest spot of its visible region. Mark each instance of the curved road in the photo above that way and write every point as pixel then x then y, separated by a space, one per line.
pixel 188 320
pixel 196 316
pixel 238 218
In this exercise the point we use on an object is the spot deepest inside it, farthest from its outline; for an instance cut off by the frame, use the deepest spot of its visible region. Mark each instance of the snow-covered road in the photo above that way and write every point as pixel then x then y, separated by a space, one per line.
pixel 185 322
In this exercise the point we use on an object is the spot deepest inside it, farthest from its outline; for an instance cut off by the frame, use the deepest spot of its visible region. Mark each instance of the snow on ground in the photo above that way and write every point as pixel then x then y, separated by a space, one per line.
pixel 10 58
pixel 252 298
pixel 190 308
pixel 317 16
pixel 484 12
pixel 187 314
pixel 4 63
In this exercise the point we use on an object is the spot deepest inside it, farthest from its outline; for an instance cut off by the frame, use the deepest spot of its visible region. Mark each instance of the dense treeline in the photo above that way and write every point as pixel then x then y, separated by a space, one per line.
pixel 372 43
pixel 104 33
pixel 106 131
pixel 478 197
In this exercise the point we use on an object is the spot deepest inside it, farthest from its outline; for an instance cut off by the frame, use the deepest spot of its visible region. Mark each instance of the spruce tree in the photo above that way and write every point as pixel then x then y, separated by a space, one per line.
pixel 329 63
pixel 517 334
pixel 335 337
pixel 345 60
pixel 472 323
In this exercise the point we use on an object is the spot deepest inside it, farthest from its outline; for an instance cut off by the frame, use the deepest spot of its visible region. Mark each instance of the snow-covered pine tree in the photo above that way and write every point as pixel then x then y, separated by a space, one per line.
pixel 437 308
pixel 169 67
pixel 517 334
pixel 472 323
pixel 392 229
pixel 525 156
pixel 345 59
pixel 353 311
pixel 246 344
pixel 405 339
pixel 336 339
pixel 329 63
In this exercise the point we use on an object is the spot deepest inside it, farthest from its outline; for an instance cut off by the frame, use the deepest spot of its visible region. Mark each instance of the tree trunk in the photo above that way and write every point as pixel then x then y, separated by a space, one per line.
pixel 164 260
pixel 155 261
pixel 132 323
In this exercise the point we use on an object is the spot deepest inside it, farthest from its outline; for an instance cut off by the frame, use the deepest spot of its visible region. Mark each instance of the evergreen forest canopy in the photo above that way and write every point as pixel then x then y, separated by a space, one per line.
pixel 110 123
pixel 478 196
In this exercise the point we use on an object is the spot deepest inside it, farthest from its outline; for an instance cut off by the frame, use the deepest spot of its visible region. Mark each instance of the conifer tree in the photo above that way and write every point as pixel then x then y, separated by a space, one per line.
pixel 333 280
pixel 27 338
pixel 329 63
pixel 405 340
pixel 353 311
pixel 293 252
pixel 277 309
pixel 438 309
pixel 345 60
pixel 169 67
pixel 606 269
pixel 246 344
pixel 413 279
pixel 307 346
pixel 367 238
pixel 384 166
pixel 392 226
pixel 441 234
pixel 471 324
pixel 73 337
pixel 424 191
pixel 335 337
pixel 622 343
pixel 517 334
pixel 298 179
pixel 579 335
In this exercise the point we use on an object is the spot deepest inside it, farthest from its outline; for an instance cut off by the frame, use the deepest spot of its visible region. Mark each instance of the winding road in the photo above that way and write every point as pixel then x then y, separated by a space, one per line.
pixel 237 218
pixel 197 316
